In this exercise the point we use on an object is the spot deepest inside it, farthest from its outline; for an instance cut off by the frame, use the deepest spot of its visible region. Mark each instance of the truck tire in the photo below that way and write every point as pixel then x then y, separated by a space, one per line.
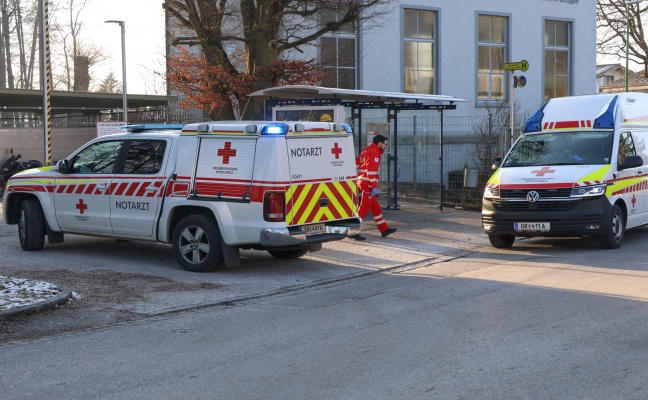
pixel 614 237
pixel 501 241
pixel 288 254
pixel 31 225
pixel 197 244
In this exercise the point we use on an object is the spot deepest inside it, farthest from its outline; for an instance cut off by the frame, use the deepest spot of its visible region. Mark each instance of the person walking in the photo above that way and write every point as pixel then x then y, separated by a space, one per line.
pixel 368 163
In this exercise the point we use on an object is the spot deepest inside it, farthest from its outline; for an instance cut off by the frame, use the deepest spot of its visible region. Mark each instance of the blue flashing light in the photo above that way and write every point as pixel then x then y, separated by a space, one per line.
pixel 275 129
pixel 534 122
pixel 347 128
pixel 152 127
pixel 606 120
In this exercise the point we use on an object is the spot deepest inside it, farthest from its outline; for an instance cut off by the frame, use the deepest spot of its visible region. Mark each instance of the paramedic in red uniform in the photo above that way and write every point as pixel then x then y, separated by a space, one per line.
pixel 368 162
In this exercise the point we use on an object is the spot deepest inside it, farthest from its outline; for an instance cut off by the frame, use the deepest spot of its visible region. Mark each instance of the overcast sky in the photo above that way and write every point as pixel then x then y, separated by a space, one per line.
pixel 144 40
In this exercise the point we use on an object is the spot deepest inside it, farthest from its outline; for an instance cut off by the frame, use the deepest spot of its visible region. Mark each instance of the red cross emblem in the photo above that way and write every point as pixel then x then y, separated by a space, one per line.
pixel 81 207
pixel 227 152
pixel 542 171
pixel 634 200
pixel 337 151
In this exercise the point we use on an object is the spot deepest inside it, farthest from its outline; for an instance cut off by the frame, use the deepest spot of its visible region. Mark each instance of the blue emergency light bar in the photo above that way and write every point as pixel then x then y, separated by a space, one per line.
pixel 534 122
pixel 275 129
pixel 152 127
pixel 606 120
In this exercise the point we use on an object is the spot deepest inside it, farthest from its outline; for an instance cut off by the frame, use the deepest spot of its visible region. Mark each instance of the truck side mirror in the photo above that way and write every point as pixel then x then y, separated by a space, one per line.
pixel 496 163
pixel 631 162
pixel 62 166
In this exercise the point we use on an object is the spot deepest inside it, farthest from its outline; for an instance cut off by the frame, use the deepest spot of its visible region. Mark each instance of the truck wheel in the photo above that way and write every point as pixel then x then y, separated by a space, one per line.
pixel 197 244
pixel 288 254
pixel 614 237
pixel 501 241
pixel 31 226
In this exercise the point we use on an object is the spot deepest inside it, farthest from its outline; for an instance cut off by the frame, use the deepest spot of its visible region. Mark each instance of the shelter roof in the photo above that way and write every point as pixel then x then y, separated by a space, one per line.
pixel 63 101
pixel 318 92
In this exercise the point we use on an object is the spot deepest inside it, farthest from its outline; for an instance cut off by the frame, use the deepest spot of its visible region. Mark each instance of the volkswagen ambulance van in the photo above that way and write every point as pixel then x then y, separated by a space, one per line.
pixel 580 169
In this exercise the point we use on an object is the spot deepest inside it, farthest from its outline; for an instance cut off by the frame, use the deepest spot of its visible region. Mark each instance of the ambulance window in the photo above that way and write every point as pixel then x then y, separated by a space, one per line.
pixel 98 158
pixel 145 157
pixel 626 147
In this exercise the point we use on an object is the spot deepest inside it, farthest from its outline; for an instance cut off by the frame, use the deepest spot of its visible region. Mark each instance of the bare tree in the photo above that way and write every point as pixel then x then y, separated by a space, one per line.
pixel 264 29
pixel 78 55
pixel 615 19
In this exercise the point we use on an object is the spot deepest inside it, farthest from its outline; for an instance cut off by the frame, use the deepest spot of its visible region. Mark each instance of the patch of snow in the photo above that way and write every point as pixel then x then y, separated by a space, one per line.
pixel 18 292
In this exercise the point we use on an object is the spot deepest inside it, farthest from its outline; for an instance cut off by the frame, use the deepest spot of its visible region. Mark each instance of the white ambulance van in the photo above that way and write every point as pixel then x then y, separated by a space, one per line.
pixel 580 169
pixel 207 189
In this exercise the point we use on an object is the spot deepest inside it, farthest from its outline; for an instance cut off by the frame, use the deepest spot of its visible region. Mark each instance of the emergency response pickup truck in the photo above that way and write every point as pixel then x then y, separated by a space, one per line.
pixel 208 189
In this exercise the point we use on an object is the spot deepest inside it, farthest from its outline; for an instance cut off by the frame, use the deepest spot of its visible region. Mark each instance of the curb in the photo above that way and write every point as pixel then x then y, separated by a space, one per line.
pixel 61 298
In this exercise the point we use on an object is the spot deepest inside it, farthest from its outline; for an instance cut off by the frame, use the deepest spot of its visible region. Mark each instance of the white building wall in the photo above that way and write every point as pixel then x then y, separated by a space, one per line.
pixel 381 49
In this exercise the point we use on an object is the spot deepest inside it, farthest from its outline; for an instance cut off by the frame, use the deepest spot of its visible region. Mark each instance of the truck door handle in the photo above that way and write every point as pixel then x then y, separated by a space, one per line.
pixel 151 188
pixel 102 186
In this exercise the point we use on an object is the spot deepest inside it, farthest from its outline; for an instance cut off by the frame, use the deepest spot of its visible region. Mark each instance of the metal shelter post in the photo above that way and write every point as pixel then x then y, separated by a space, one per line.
pixel 441 164
pixel 392 114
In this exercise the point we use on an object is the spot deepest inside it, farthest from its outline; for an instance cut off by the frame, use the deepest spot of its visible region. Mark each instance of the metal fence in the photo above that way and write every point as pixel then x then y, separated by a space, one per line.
pixel 470 145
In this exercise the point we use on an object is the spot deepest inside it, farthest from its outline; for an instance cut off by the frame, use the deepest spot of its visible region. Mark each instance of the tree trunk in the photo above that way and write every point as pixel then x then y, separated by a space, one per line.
pixel 7 44
pixel 81 74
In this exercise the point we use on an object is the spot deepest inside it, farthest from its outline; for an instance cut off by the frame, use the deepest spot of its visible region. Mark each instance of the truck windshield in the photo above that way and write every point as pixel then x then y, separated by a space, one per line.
pixel 561 148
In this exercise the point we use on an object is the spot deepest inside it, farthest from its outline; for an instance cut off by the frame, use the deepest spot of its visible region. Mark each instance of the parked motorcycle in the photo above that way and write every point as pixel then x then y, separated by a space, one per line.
pixel 12 166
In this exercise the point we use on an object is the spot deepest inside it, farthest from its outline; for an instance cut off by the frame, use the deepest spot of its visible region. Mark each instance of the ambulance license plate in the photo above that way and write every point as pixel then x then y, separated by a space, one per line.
pixel 313 229
pixel 532 226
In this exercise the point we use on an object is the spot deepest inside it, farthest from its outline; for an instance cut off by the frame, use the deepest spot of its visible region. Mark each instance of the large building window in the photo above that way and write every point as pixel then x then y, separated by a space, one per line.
pixel 492 43
pixel 338 52
pixel 419 51
pixel 556 59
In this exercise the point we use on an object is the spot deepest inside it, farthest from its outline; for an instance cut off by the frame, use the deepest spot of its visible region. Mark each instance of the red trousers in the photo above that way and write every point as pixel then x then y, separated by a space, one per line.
pixel 370 203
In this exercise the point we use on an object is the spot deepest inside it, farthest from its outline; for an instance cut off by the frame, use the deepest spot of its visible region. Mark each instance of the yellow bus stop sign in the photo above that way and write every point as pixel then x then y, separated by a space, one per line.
pixel 514 66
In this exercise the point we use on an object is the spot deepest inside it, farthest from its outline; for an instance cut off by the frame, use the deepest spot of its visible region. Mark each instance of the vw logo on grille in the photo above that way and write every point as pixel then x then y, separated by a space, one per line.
pixel 533 196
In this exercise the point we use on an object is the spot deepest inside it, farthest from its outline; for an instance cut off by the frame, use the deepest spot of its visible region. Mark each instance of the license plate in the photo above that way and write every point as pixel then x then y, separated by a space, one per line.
pixel 314 228
pixel 532 226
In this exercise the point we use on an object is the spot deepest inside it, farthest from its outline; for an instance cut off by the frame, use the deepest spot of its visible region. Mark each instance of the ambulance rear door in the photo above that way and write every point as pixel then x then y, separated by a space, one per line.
pixel 322 173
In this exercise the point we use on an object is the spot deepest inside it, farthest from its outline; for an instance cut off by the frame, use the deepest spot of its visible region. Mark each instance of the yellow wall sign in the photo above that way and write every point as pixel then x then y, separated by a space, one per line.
pixel 514 66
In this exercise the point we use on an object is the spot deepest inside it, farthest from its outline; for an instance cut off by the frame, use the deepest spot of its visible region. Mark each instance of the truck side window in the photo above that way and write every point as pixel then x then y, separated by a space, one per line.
pixel 626 147
pixel 145 157
pixel 98 158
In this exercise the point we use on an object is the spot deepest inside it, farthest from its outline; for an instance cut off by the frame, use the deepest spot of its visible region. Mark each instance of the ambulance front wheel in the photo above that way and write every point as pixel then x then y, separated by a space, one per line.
pixel 31 225
pixel 501 241
pixel 197 244
pixel 614 236
pixel 288 254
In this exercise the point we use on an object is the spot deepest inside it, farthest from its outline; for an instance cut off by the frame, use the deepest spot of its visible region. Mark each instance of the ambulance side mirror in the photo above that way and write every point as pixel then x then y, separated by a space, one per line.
pixel 631 162
pixel 62 166
pixel 496 163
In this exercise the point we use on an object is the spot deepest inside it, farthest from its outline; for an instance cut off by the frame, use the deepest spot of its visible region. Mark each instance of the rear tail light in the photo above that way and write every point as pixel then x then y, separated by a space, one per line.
pixel 274 206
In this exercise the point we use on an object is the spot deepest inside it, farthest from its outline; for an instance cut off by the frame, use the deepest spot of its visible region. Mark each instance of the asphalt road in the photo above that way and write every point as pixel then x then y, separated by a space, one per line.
pixel 432 312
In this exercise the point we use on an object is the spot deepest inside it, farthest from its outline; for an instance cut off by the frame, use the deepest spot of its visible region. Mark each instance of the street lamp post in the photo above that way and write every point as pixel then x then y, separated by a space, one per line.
pixel 628 2
pixel 122 24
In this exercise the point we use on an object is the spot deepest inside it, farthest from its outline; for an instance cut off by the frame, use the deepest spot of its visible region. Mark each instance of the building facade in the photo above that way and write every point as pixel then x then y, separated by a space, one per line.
pixel 459 48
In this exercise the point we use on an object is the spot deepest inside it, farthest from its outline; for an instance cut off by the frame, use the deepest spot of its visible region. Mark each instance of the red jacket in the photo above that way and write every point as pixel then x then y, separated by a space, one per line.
pixel 368 162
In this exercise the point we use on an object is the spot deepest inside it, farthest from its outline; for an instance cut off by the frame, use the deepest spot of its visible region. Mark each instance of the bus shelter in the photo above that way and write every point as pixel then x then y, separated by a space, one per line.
pixel 358 100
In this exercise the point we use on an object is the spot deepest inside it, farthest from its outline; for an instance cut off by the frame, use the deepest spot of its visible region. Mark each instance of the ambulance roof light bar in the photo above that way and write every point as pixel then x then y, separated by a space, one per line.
pixel 151 127
pixel 275 130
pixel 534 122
pixel 606 120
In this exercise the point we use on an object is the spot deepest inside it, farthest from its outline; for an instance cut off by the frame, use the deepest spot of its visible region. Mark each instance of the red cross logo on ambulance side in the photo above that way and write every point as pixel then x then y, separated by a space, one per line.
pixel 336 150
pixel 227 152
pixel 81 207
